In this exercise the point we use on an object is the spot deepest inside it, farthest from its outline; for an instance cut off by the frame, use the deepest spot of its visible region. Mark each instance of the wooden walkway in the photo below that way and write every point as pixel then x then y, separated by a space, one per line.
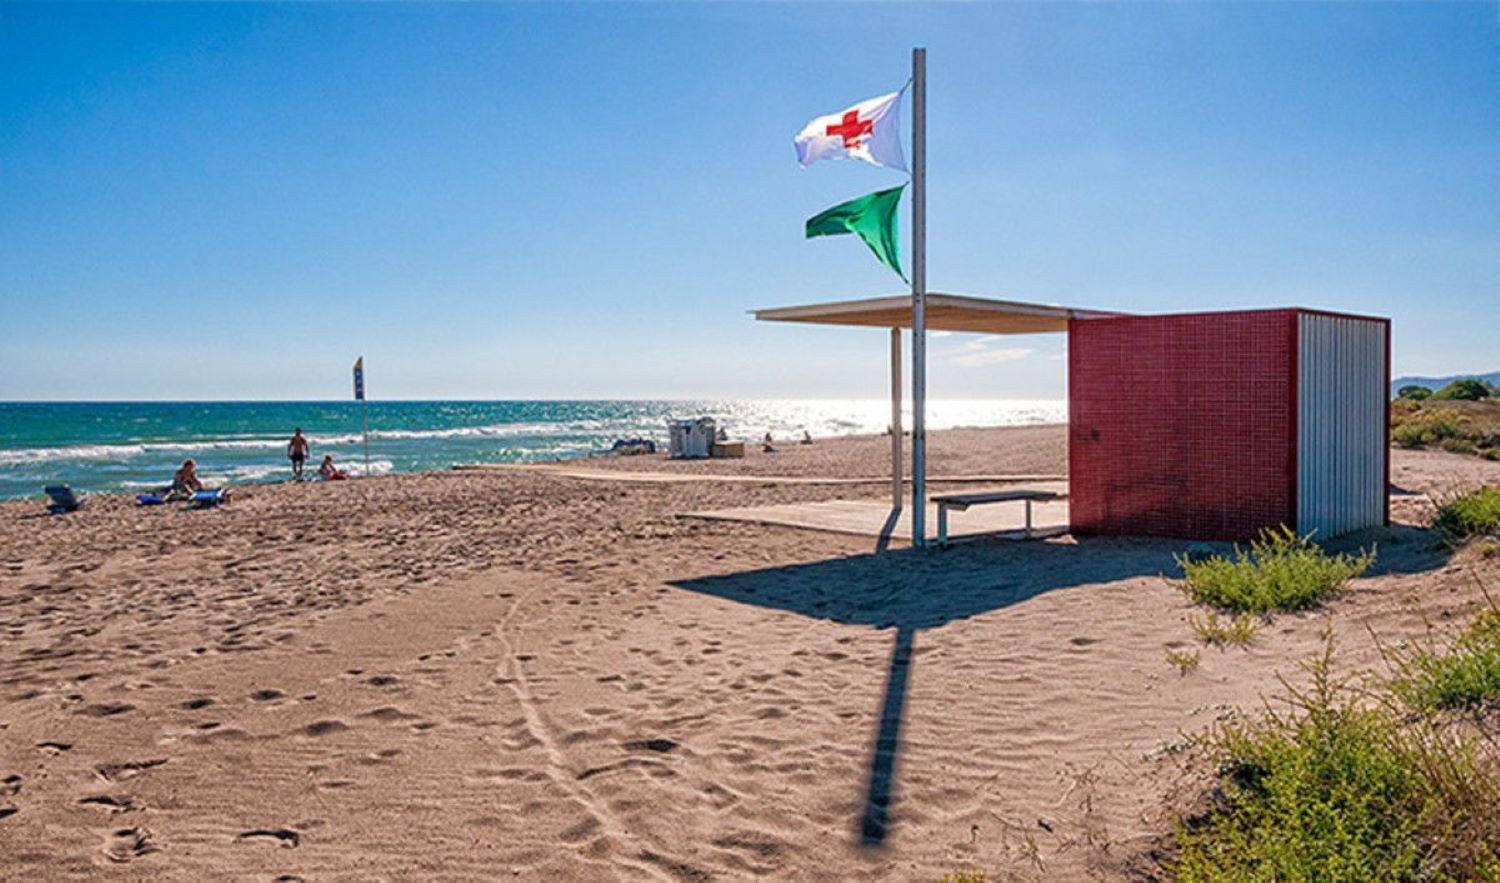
pixel 563 471
pixel 872 518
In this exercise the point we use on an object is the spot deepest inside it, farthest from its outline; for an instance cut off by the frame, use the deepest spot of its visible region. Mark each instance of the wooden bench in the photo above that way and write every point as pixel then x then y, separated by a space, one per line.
pixel 964 501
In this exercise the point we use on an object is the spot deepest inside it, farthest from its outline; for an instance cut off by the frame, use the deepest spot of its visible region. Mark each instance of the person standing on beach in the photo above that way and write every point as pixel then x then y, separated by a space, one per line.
pixel 297 450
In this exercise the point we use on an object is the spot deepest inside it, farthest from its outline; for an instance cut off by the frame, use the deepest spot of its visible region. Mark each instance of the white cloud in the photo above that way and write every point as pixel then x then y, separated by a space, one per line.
pixel 978 354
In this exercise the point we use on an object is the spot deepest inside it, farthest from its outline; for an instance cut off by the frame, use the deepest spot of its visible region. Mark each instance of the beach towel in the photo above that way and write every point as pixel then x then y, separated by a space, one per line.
pixel 62 498
pixel 149 499
pixel 208 499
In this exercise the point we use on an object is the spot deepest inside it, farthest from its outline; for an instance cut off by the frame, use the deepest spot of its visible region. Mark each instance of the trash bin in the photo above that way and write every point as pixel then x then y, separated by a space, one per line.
pixel 690 439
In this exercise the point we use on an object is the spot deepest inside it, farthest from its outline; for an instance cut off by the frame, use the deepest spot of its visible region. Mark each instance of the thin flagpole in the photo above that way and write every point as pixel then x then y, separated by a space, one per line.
pixel 364 408
pixel 364 417
pixel 918 297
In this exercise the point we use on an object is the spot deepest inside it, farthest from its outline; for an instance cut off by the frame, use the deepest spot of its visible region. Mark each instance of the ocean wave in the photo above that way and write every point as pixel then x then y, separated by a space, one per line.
pixel 118 451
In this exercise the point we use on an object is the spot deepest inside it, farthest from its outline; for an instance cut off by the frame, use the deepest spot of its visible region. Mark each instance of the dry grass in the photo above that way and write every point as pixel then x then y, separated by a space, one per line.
pixel 1183 660
pixel 1460 427
pixel 1224 631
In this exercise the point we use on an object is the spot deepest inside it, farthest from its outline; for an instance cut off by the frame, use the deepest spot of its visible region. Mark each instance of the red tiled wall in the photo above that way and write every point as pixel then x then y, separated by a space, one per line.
pixel 1181 426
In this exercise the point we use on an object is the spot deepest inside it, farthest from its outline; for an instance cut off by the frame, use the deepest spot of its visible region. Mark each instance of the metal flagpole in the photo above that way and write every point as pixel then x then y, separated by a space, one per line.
pixel 364 417
pixel 918 296
pixel 364 408
pixel 896 485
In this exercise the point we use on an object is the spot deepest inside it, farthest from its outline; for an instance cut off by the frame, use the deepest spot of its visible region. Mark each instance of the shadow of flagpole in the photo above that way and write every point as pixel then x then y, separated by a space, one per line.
pixel 884 541
pixel 876 818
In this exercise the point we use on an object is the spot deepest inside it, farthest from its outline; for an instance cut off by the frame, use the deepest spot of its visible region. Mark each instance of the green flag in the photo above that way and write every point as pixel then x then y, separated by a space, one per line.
pixel 872 216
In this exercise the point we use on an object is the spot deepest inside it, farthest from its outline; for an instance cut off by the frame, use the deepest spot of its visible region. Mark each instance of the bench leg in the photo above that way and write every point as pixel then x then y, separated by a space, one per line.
pixel 1028 519
pixel 942 525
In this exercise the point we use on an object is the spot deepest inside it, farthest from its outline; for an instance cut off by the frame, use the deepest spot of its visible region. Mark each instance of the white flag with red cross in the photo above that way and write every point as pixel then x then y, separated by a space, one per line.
pixel 870 130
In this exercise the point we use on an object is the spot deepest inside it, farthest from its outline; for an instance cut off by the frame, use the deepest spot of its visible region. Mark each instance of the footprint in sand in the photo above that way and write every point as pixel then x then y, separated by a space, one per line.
pixel 10 785
pixel 323 728
pixel 382 680
pixel 388 715
pixel 109 803
pixel 266 695
pixel 125 844
pixel 661 746
pixel 755 844
pixel 105 709
pixel 195 704
pixel 385 755
pixel 280 836
pixel 113 772
pixel 54 748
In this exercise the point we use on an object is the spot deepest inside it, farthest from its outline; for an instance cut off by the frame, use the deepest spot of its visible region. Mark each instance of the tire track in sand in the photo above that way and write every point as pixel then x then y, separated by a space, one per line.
pixel 558 768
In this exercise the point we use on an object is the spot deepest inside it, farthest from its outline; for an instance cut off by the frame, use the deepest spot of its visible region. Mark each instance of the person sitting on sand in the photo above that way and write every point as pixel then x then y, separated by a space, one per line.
pixel 185 481
pixel 296 451
pixel 328 471
pixel 806 437
pixel 767 447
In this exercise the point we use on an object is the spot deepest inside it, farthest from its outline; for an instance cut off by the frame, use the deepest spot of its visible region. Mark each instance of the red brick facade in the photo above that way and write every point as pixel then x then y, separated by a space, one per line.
pixel 1182 425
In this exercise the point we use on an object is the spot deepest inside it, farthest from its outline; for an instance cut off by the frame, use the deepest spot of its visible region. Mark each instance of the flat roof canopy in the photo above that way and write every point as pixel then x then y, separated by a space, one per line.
pixel 945 312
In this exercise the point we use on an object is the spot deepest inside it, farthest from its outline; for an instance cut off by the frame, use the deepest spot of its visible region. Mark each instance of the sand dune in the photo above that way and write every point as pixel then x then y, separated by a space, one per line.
pixel 472 675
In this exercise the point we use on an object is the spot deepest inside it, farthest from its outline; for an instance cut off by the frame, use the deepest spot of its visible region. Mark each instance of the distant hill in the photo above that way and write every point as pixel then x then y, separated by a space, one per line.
pixel 1436 383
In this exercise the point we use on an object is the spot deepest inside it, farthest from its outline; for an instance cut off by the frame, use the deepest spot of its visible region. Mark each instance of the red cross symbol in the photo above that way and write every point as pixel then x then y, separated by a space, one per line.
pixel 851 129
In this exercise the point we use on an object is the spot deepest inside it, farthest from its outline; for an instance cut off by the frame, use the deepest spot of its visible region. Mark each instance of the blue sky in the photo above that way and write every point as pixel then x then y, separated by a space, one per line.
pixel 538 201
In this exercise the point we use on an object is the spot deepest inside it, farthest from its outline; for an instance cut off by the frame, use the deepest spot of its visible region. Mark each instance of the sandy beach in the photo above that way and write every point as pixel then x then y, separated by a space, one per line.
pixel 477 674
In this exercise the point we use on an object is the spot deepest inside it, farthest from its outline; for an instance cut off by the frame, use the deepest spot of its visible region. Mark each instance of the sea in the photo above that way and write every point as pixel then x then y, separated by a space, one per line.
pixel 133 446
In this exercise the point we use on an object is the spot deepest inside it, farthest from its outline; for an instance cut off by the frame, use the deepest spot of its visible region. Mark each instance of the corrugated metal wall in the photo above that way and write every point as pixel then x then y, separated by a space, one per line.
pixel 1341 429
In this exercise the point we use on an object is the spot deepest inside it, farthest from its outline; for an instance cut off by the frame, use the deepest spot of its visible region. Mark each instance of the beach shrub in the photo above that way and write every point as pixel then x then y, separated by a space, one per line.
pixel 1463 675
pixel 1414 427
pixel 1337 789
pixel 1468 389
pixel 1472 514
pixel 1224 631
pixel 1458 446
pixel 1463 427
pixel 1408 435
pixel 1414 393
pixel 1182 660
pixel 1280 571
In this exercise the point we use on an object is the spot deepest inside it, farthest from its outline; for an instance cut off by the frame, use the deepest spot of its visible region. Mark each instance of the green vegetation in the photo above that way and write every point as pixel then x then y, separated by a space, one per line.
pixel 1182 660
pixel 1463 675
pixel 1280 571
pixel 1472 514
pixel 1468 389
pixel 969 876
pixel 1336 789
pixel 1414 393
pixel 1211 629
pixel 1457 425
pixel 1416 426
